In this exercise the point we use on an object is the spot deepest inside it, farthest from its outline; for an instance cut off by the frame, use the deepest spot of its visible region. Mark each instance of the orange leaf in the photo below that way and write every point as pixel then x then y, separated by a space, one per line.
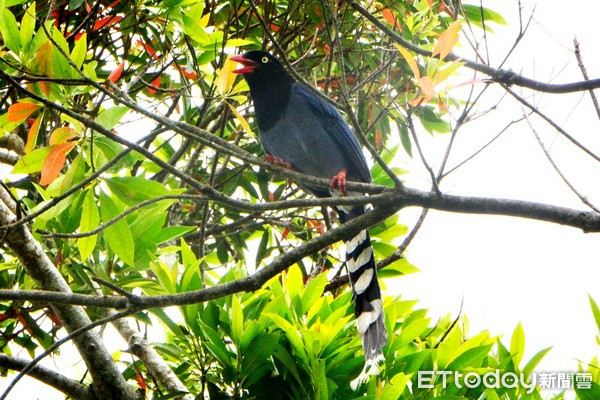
pixel 25 324
pixel 149 49
pixel 105 22
pixel 20 111
pixel 426 88
pixel 33 134
pixel 43 59
pixel 447 40
pixel 390 18
pixel 155 82
pixel 378 138
pixel 187 72
pixel 61 135
pixel 116 74
pixel 140 380
pixel 54 162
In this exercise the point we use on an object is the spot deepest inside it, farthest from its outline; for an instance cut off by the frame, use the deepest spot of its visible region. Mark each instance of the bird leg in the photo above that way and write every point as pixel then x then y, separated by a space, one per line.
pixel 339 180
pixel 278 161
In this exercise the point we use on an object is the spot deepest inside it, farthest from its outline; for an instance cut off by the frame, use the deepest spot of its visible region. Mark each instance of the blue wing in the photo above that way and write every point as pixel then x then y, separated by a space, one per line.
pixel 337 128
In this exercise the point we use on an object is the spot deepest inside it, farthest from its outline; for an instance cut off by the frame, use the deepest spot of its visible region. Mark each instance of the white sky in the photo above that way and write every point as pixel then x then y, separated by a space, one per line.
pixel 509 269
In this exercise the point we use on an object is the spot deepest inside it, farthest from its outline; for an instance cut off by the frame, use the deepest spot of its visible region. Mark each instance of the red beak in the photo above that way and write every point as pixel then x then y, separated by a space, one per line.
pixel 248 65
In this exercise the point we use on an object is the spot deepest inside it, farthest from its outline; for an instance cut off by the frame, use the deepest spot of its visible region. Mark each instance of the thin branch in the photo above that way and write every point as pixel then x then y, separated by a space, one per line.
pixel 581 197
pixel 502 76
pixel 86 328
pixel 48 376
pixel 552 123
pixel 585 76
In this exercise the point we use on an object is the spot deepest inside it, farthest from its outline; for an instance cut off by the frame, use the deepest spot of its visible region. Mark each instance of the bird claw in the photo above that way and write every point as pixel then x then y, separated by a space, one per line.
pixel 278 161
pixel 339 180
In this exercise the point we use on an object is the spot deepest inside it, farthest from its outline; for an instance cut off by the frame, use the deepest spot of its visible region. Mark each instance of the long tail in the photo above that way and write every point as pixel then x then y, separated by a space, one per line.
pixel 367 297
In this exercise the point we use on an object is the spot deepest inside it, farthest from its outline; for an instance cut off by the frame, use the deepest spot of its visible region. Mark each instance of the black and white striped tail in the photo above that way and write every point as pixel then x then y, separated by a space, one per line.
pixel 367 298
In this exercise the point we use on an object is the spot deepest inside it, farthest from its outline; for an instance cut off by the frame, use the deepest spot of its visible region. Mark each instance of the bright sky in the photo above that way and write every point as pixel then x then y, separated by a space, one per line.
pixel 508 269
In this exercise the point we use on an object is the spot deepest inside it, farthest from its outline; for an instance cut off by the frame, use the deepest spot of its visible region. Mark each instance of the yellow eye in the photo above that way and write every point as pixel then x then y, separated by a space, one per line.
pixel 265 60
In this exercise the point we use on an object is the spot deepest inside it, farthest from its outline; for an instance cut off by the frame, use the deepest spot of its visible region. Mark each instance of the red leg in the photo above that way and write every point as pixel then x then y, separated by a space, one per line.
pixel 339 180
pixel 278 161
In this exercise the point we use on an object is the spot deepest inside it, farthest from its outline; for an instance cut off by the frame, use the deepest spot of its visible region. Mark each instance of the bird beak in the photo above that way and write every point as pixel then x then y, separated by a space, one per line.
pixel 248 65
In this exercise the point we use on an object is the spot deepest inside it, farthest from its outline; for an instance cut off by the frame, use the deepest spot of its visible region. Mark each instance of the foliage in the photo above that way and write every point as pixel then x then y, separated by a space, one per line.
pixel 87 90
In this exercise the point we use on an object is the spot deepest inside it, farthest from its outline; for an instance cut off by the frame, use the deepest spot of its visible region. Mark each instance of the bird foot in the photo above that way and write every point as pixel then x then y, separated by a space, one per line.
pixel 339 180
pixel 278 161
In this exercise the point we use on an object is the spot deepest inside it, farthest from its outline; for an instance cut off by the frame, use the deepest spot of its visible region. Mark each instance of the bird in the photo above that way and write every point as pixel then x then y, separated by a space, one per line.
pixel 302 131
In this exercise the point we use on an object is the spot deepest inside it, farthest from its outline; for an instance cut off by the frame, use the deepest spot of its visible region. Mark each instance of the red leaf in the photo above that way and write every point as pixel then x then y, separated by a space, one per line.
pixel 155 82
pixel 271 196
pixel 20 111
pixel 54 318
pixel 54 162
pixel 106 22
pixel 140 380
pixel 116 74
pixel 285 233
pixel 149 49
pixel 187 72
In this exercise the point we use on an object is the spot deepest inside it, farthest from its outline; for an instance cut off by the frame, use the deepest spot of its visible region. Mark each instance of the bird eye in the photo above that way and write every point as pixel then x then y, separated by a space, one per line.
pixel 265 60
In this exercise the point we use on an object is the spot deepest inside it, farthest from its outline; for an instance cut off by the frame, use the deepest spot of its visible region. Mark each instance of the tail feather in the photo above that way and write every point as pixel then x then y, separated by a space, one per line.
pixel 367 298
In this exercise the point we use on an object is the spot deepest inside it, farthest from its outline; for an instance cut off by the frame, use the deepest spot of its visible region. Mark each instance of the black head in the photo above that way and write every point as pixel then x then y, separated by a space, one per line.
pixel 261 68
pixel 270 85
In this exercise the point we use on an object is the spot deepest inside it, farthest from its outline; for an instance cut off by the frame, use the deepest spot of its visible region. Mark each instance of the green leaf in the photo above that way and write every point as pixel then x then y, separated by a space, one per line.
pixel 118 235
pixel 61 66
pixel 313 291
pixel 531 364
pixel 413 330
pixel 595 311
pixel 172 232
pixel 474 15
pixel 90 219
pixel 110 117
pixel 9 29
pixel 27 27
pixel 132 190
pixel 79 52
pixel 394 388
pixel 517 344
pixel 164 276
pixel 291 333
pixel 74 174
pixel 471 358
pixel 397 268
pixel 237 320
pixel 32 162
pixel 261 348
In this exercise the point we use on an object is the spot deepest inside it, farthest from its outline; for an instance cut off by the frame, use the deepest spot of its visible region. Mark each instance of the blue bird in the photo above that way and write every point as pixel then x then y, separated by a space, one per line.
pixel 302 131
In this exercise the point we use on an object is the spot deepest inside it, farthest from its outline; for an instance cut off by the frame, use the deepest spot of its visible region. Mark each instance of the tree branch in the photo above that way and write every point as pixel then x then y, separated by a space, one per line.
pixel 60 382
pixel 503 76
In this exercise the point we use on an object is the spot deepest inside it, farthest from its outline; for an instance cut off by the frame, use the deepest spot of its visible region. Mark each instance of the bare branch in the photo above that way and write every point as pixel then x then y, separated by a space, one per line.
pixel 585 75
pixel 48 376
pixel 502 76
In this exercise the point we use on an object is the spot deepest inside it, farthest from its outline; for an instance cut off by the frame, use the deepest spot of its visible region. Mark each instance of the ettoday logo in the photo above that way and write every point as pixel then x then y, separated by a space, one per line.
pixel 496 380
pixel 493 380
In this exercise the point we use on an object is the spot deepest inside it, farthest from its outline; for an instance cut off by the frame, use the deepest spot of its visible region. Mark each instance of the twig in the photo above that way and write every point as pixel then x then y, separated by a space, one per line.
pixel 585 76
pixel 581 197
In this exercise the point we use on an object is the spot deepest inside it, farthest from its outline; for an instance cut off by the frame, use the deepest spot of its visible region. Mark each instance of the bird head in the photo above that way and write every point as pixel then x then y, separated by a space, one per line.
pixel 260 66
